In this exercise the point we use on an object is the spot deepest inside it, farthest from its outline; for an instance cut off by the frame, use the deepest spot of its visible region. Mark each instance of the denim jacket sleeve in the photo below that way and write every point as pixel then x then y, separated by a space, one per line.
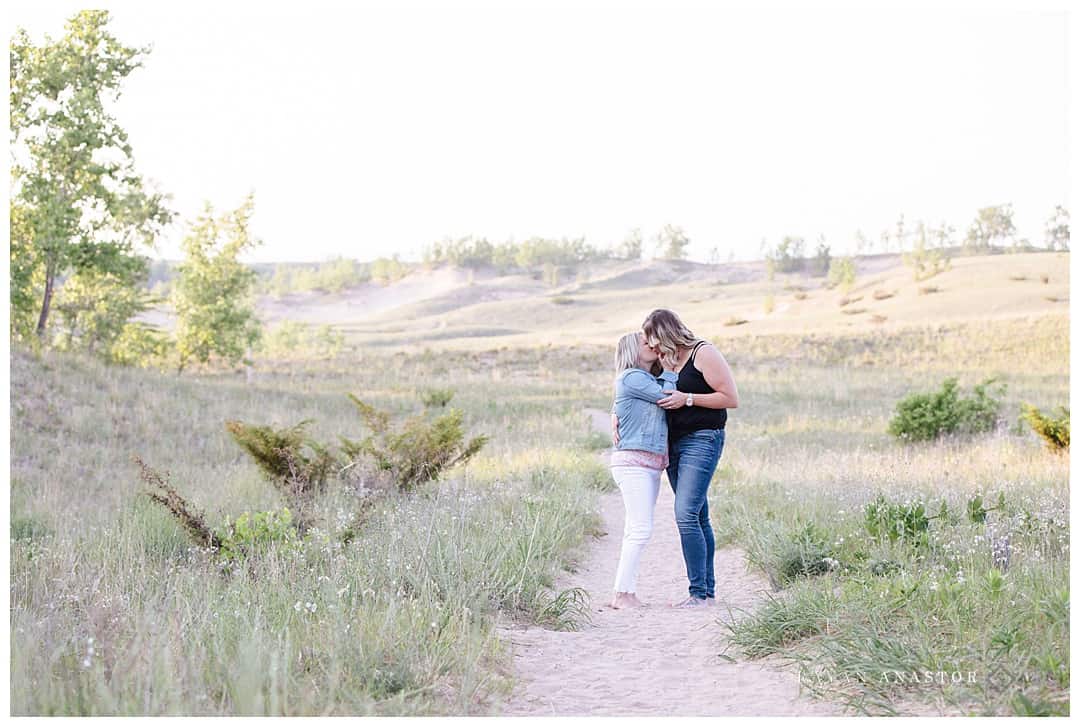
pixel 642 385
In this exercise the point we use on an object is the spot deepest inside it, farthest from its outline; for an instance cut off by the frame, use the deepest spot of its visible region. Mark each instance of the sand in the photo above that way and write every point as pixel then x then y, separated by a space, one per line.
pixel 654 660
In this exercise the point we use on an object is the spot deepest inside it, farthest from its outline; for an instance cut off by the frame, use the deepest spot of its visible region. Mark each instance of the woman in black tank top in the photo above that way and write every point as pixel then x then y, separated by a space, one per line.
pixel 697 417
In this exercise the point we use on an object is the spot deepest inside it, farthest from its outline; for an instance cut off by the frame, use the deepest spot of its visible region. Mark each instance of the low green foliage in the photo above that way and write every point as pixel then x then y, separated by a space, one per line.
pixel 297 465
pixel 1053 430
pixel 416 451
pixel 897 521
pixel 437 398
pixel 252 533
pixel 923 416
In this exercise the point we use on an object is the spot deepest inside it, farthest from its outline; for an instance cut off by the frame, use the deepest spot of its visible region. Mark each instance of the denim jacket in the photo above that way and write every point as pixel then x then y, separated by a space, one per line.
pixel 642 424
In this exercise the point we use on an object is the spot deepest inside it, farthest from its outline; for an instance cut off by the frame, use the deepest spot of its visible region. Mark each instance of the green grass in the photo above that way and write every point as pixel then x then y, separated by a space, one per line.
pixel 114 612
pixel 402 620
pixel 809 446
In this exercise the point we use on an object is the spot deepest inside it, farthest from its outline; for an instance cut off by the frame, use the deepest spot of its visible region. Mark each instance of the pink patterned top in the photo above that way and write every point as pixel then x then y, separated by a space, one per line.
pixel 639 458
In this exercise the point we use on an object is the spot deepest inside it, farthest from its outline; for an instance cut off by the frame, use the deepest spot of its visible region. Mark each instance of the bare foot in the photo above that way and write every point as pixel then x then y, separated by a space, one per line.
pixel 691 602
pixel 625 600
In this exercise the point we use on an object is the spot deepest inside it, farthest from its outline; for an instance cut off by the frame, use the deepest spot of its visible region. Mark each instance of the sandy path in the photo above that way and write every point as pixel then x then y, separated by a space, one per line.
pixel 655 660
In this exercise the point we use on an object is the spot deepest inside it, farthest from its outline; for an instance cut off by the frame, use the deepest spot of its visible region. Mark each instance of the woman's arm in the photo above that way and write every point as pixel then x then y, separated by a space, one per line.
pixel 717 375
pixel 641 385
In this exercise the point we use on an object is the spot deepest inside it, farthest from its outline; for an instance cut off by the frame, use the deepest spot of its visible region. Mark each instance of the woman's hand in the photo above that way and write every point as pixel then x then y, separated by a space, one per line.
pixel 668 363
pixel 674 400
pixel 615 429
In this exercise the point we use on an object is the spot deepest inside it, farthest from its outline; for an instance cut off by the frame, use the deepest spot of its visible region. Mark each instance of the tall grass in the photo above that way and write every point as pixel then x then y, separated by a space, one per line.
pixel 976 616
pixel 114 612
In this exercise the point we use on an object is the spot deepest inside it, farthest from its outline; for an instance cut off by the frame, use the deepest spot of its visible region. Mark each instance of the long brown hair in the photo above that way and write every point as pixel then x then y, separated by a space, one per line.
pixel 664 329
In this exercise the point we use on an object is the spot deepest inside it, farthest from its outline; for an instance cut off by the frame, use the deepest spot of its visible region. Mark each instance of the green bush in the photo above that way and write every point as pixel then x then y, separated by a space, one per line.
pixel 922 416
pixel 437 398
pixel 254 532
pixel 1054 430
pixel 416 451
pixel 897 521
pixel 295 464
pixel 807 554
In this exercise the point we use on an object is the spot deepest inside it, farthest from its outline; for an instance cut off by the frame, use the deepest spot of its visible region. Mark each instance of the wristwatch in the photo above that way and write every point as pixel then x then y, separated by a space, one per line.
pixel 690 399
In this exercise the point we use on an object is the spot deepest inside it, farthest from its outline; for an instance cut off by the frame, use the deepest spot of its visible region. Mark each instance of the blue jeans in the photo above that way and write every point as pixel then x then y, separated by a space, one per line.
pixel 692 461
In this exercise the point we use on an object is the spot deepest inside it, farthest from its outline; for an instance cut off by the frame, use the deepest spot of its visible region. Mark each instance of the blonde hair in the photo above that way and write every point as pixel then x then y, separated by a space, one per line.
pixel 626 352
pixel 665 330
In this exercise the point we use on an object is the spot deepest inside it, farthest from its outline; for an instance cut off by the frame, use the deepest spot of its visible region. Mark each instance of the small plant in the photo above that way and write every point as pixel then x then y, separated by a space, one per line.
pixel 883 294
pixel 1044 278
pixel 847 301
pixel 418 451
pixel 977 511
pixel 437 398
pixel 562 300
pixel 254 532
pixel 1053 430
pixel 928 289
pixel 877 318
pixel 770 304
pixel 567 610
pixel 806 555
pixel 1017 277
pixel 842 273
pixel 923 416
pixel 295 464
pixel 190 518
pixel 800 295
pixel 897 521
pixel 853 311
pixel 735 321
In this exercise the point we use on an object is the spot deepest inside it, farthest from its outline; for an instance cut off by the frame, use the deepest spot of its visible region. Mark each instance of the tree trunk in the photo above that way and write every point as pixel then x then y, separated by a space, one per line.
pixel 46 302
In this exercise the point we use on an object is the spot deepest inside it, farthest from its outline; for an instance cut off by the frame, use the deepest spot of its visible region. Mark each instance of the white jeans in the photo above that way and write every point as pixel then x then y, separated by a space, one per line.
pixel 640 487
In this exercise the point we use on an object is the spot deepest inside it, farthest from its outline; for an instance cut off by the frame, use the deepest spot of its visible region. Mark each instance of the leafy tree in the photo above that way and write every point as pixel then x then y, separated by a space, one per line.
pixel 787 256
pixel 1057 229
pixel 95 310
pixel 671 242
pixel 819 266
pixel 77 201
pixel 632 245
pixel 213 294
pixel 925 260
pixel 991 225
pixel 842 273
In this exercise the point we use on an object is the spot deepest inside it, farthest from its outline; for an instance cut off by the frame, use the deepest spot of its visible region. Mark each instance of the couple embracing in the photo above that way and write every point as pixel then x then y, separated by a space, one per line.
pixel 672 393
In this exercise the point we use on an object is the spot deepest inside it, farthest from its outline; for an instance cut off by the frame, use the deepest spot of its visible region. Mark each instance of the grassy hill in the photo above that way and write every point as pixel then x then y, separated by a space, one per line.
pixel 466 310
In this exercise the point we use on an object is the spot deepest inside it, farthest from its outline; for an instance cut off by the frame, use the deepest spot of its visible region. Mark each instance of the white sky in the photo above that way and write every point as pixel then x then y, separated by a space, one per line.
pixel 375 129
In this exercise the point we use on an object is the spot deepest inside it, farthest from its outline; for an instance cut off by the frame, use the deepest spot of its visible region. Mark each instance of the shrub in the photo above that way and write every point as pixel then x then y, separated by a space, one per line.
pixel 805 555
pixel 189 518
pixel 800 295
pixel 1054 430
pixel 928 289
pixel 770 304
pixel 254 532
pixel 433 398
pixel 853 311
pixel 280 455
pixel 735 321
pixel 883 294
pixel 842 273
pixel 418 451
pixel 896 521
pixel 847 301
pixel 928 416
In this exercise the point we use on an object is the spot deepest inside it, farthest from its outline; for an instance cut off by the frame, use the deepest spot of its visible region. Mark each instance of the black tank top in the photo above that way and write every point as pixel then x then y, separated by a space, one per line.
pixel 688 419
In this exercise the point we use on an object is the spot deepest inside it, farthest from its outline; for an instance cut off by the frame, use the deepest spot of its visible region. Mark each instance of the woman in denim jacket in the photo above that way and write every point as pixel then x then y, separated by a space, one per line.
pixel 640 455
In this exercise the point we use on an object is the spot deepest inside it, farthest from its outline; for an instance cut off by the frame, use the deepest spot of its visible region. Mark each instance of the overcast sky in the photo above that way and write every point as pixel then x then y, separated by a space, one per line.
pixel 376 129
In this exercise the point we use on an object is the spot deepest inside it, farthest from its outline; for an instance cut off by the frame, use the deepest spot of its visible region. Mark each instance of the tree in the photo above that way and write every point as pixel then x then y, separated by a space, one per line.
pixel 820 265
pixel 1057 229
pixel 671 242
pixel 788 255
pixel 77 201
pixel 842 273
pixel 213 294
pixel 925 260
pixel 991 225
pixel 631 246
